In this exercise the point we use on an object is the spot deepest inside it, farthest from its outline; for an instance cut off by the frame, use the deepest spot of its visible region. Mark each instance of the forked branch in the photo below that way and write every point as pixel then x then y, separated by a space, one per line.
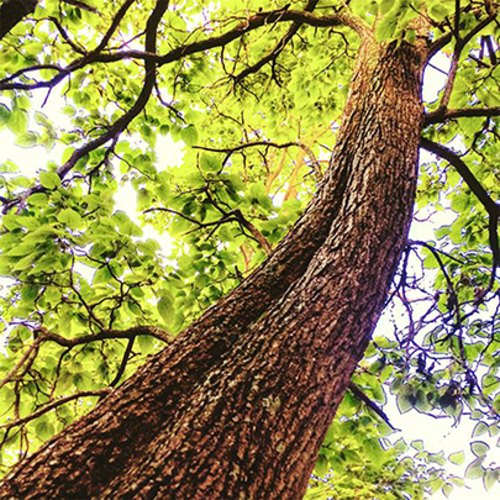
pixel 460 44
pixel 42 335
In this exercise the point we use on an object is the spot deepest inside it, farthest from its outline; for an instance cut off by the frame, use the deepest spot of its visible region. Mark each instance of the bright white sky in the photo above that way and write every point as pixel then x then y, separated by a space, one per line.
pixel 437 434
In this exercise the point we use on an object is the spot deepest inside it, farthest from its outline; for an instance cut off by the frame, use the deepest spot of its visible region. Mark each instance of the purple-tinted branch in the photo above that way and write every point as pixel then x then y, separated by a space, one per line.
pixel 65 35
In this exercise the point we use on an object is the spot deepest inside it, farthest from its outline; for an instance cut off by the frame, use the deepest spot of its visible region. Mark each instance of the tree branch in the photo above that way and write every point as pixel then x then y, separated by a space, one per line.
pixel 459 46
pixel 249 24
pixel 359 394
pixel 116 22
pixel 232 216
pixel 152 61
pixel 55 404
pixel 261 239
pixel 278 48
pixel 44 335
pixel 239 147
pixel 88 57
pixel 442 115
pixel 263 19
pixel 28 356
pixel 475 186
pixel 123 364
pixel 452 74
pixel 78 49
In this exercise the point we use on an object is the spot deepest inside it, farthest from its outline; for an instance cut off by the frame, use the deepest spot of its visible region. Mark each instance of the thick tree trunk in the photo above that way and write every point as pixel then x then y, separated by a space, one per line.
pixel 12 12
pixel 238 406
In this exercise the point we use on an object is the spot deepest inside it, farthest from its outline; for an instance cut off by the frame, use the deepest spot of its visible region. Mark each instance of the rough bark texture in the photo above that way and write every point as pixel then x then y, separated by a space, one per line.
pixel 12 12
pixel 238 406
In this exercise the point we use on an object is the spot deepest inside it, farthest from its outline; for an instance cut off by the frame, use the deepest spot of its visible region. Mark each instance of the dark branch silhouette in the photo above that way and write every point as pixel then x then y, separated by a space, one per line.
pixel 13 12
pixel 475 186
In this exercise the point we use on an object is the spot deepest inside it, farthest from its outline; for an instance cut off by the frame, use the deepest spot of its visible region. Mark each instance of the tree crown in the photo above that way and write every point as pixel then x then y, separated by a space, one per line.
pixel 254 95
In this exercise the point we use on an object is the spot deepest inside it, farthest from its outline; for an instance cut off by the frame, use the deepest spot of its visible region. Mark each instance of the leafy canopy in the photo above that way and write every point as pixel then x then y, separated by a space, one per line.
pixel 254 103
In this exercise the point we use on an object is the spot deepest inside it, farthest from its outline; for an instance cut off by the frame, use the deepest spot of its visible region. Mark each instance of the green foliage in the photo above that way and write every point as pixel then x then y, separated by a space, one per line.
pixel 75 264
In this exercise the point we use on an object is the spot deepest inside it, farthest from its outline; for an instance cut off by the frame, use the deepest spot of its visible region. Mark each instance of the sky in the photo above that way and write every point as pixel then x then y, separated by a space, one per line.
pixel 437 434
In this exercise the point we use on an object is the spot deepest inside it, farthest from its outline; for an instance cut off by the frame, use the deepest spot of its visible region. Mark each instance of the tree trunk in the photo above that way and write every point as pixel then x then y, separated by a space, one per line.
pixel 13 12
pixel 238 405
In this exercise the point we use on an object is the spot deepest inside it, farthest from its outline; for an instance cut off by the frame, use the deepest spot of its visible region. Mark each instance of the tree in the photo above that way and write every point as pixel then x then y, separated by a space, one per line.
pixel 275 303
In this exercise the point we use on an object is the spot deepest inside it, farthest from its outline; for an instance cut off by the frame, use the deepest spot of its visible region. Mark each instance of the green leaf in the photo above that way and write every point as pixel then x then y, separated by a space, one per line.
pixel 406 399
pixel 386 5
pixel 490 478
pixel 21 250
pixel 386 28
pixel 439 11
pixel 496 404
pixel 373 450
pixel 457 458
pixel 18 121
pixel 102 276
pixel 209 163
pixel 475 469
pixel 447 489
pixel 479 448
pixel 189 135
pixel 321 467
pixel 71 218
pixel 29 293
pixel 44 430
pixel 410 37
pixel 146 343
pixel 49 180
pixel 166 309
pixel 418 444
pixel 82 381
pixel 460 202
pixel 480 428
pixel 27 140
pixel 38 199
pixel 25 262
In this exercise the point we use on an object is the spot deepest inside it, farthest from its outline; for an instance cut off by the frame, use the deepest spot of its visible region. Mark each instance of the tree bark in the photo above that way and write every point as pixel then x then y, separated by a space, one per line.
pixel 12 12
pixel 238 405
